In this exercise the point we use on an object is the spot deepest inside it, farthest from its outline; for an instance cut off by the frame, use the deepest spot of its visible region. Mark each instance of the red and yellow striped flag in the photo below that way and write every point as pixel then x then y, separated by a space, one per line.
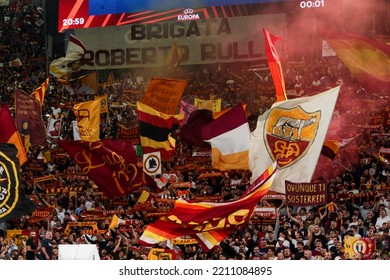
pixel 209 222
pixel 39 93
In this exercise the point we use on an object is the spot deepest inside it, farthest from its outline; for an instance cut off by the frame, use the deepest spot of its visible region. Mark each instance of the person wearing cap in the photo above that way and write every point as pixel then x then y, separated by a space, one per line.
pixel 279 247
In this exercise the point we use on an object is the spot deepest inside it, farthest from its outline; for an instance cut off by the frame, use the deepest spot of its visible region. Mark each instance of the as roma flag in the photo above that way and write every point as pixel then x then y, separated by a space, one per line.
pixel 209 222
pixel 13 201
pixel 111 164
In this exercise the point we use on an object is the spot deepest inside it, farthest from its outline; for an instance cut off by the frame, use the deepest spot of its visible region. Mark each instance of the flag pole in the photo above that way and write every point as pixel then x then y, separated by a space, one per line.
pixel 343 166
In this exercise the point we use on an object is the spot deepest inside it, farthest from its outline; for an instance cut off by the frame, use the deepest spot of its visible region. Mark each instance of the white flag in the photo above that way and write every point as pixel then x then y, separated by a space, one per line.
pixel 292 133
pixel 63 67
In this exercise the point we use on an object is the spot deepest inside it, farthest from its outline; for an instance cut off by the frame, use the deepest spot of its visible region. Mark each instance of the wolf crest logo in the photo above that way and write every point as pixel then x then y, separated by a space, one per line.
pixel 289 134
pixel 152 164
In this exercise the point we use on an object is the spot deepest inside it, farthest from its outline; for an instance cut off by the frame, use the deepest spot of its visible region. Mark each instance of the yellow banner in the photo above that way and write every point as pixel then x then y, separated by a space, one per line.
pixel 184 241
pixel 209 104
pixel 88 119
pixel 164 95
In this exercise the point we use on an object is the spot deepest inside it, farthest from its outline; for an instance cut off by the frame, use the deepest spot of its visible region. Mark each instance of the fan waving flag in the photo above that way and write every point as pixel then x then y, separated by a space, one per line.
pixel 292 133
pixel 274 65
pixel 209 222
pixel 111 164
pixel 156 130
pixel 229 137
pixel 9 134
pixel 368 60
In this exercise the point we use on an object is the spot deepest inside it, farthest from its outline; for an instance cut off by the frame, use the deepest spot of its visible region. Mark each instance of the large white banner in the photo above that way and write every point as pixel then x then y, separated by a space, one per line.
pixel 202 41
pixel 292 133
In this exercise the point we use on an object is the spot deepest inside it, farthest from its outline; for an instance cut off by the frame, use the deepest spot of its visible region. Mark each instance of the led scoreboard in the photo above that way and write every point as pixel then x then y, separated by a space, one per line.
pixel 99 13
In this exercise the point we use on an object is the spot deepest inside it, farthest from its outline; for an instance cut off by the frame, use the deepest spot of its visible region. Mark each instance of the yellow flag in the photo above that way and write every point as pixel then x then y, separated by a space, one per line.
pixel 143 197
pixel 88 119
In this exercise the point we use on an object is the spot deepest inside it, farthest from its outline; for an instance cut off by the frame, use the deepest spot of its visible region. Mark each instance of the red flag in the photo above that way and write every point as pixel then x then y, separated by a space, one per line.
pixel 274 65
pixel 9 134
pixel 111 164
pixel 29 118
pixel 209 222
pixel 190 133
pixel 39 93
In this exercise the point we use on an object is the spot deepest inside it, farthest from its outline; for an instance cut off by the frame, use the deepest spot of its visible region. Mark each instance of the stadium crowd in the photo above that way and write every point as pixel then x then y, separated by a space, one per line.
pixel 358 184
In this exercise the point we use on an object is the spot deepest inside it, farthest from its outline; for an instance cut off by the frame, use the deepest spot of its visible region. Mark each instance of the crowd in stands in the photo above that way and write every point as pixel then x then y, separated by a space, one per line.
pixel 358 190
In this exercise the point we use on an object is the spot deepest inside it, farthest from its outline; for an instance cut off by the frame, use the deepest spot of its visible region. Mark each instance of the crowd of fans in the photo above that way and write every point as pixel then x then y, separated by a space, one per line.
pixel 358 193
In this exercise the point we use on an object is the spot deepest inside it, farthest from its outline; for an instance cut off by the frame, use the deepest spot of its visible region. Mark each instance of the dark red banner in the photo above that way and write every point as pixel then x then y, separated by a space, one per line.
pixel 306 194
pixel 111 164
pixel 29 119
